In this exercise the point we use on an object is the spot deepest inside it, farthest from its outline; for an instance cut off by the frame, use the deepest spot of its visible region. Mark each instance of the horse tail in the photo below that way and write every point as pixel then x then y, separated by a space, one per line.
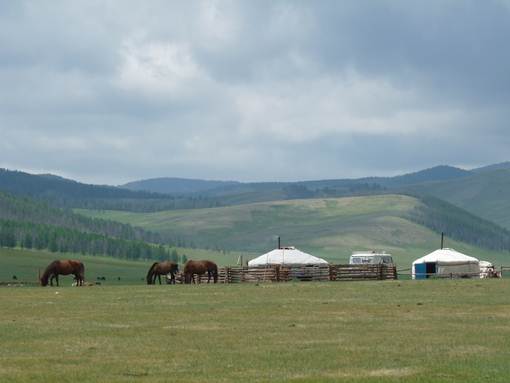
pixel 151 273
pixel 82 272
pixel 215 273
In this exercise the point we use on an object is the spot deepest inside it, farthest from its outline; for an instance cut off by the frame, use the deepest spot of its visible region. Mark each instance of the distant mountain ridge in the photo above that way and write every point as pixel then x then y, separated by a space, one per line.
pixel 170 185
pixel 63 192
pixel 173 185
pixel 500 166
pixel 437 173
pixel 481 191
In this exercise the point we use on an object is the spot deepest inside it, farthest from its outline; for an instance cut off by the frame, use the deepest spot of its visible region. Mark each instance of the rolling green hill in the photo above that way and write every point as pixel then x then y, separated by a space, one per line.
pixel 485 193
pixel 331 228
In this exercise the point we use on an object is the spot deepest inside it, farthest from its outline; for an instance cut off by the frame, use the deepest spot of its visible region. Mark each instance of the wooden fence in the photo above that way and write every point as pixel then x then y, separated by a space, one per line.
pixel 276 273
pixel 362 272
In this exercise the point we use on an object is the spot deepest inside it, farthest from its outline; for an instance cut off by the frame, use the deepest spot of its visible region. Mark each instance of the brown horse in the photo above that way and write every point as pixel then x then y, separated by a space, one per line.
pixel 65 267
pixel 162 268
pixel 199 268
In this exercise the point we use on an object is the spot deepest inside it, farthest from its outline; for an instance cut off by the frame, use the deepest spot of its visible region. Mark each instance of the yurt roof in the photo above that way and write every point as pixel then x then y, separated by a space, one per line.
pixel 446 256
pixel 287 256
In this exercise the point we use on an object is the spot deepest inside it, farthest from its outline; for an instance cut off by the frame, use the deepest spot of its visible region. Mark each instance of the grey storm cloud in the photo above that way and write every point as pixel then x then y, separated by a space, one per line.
pixel 268 90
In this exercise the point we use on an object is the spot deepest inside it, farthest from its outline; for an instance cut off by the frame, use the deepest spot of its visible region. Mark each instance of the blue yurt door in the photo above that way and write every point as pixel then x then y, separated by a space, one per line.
pixel 420 271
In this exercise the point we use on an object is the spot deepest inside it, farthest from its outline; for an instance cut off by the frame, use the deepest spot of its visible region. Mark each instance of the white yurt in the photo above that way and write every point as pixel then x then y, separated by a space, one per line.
pixel 286 256
pixel 446 263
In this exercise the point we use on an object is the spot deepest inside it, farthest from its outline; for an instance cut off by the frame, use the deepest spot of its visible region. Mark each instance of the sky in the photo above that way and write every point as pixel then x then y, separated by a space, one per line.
pixel 115 91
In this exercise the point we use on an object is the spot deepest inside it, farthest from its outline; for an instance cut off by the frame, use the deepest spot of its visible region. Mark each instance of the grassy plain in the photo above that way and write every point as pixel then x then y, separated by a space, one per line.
pixel 403 331
pixel 25 265
pixel 330 228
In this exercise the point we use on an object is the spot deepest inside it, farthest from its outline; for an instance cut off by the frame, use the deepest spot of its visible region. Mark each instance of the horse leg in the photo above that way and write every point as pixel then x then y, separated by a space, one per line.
pixel 159 278
pixel 208 276
pixel 56 277
pixel 51 280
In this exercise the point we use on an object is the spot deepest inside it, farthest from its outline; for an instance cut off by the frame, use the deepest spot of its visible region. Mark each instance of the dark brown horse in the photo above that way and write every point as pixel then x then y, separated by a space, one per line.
pixel 162 268
pixel 65 267
pixel 199 268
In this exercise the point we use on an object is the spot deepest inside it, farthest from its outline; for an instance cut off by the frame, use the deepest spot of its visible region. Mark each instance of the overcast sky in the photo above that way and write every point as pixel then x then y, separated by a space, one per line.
pixel 113 91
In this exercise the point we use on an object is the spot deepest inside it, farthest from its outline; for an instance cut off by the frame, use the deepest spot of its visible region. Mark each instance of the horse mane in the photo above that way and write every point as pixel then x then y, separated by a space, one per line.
pixel 150 273
pixel 47 272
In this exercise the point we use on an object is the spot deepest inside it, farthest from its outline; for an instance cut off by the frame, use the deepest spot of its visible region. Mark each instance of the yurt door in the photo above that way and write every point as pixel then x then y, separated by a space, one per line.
pixel 420 271
pixel 431 268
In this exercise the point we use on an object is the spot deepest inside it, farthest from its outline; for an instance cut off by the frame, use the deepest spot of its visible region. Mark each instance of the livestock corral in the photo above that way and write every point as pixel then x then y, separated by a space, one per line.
pixel 305 273
pixel 379 331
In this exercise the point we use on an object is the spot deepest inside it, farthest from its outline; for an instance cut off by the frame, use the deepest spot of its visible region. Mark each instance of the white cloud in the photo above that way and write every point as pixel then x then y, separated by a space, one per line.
pixel 238 89
pixel 160 67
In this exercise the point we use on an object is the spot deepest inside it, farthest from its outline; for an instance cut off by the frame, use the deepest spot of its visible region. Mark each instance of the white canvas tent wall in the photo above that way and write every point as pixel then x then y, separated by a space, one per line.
pixel 446 262
pixel 286 256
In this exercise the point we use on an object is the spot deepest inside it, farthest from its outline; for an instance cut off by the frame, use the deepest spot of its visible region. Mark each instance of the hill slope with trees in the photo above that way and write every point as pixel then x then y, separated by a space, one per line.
pixel 333 227
pixel 33 224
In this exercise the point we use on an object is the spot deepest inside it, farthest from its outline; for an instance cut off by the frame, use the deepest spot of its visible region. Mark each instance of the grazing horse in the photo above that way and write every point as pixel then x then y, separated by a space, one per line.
pixel 65 267
pixel 199 268
pixel 162 268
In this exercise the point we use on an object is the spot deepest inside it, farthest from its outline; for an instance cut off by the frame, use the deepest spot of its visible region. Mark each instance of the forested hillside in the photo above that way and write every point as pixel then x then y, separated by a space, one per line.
pixel 32 224
pixel 484 193
pixel 457 223
pixel 23 209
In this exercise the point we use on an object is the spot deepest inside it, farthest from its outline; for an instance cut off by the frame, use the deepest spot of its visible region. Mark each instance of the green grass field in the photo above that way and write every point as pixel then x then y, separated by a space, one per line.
pixel 329 228
pixel 25 265
pixel 407 331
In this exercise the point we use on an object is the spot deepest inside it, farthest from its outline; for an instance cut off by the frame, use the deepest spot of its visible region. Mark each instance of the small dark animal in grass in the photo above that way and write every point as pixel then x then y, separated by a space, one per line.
pixel 162 268
pixel 199 268
pixel 65 267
